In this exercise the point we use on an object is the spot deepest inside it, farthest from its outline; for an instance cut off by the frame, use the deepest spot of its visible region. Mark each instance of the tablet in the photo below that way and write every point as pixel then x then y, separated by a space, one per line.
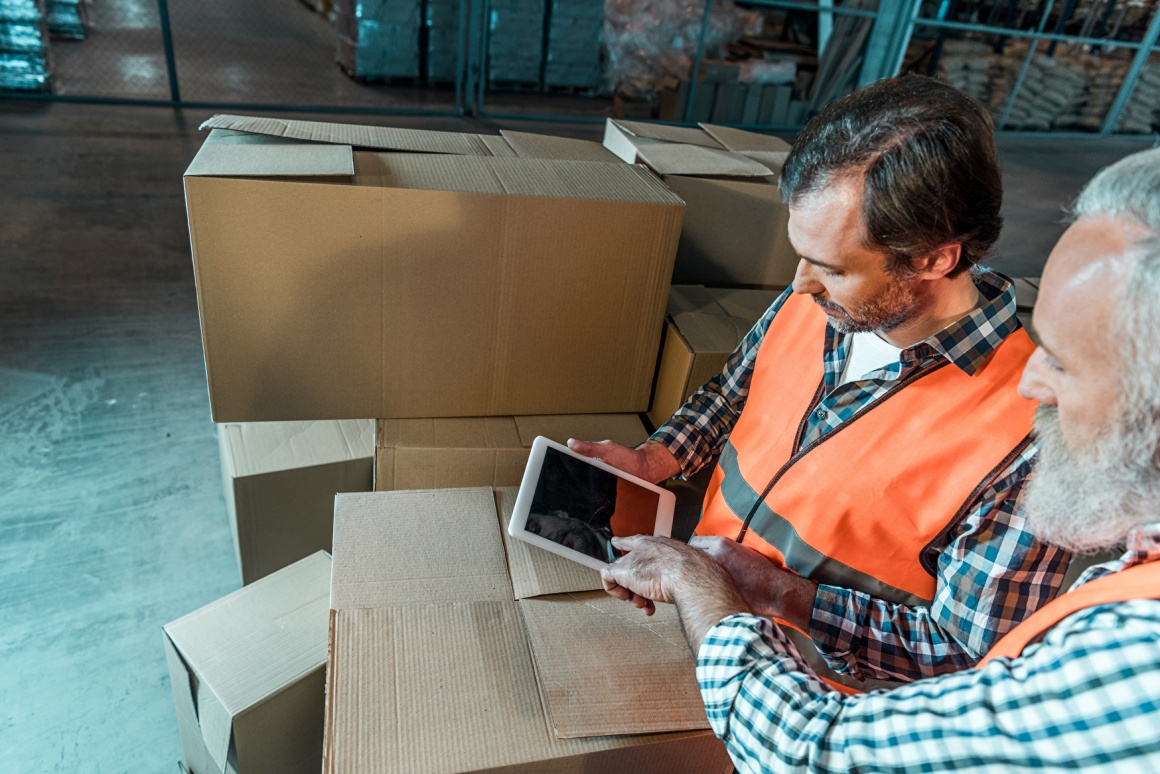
pixel 574 505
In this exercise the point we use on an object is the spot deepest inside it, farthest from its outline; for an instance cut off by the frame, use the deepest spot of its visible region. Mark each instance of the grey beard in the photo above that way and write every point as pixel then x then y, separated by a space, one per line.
pixel 1089 502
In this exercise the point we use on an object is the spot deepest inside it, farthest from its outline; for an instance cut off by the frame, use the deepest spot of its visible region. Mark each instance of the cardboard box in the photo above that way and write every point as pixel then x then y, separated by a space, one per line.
pixel 435 666
pixel 446 280
pixel 280 479
pixel 481 451
pixel 248 672
pixel 704 326
pixel 735 222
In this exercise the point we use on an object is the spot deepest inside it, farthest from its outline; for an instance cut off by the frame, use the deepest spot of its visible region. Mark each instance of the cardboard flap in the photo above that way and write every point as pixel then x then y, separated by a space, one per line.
pixel 533 570
pixel 356 135
pixel 251 643
pixel 254 448
pixel 772 160
pixel 605 668
pixel 713 320
pixel 674 134
pixel 694 160
pixel 541 146
pixel 741 140
pixel 397 549
pixel 271 160
pixel 497 146
pixel 526 177
pixel 216 727
pixel 622 428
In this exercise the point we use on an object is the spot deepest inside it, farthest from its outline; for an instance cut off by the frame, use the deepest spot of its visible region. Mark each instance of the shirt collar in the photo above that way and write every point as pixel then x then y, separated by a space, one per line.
pixel 970 340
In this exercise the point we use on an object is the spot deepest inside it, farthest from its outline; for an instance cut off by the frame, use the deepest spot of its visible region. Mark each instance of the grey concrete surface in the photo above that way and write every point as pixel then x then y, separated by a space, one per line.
pixel 111 515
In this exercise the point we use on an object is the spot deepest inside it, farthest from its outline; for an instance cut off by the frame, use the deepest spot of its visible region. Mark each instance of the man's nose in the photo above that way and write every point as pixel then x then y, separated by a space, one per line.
pixel 805 280
pixel 1034 384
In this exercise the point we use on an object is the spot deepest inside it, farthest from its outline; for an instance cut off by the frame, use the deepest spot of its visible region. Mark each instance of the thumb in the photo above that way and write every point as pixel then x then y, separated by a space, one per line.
pixel 628 543
pixel 587 448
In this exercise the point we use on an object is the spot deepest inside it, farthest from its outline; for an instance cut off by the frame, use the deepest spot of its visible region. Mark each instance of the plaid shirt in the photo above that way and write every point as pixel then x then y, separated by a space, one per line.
pixel 1080 698
pixel 992 573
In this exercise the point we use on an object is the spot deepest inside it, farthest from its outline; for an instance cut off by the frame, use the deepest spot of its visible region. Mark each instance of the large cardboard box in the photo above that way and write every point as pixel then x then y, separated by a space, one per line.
pixel 346 272
pixel 704 326
pixel 280 479
pixel 481 451
pixel 455 650
pixel 735 222
pixel 248 672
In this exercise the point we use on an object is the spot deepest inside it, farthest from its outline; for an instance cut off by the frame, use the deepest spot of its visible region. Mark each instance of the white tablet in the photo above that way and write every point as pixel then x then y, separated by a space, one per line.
pixel 574 505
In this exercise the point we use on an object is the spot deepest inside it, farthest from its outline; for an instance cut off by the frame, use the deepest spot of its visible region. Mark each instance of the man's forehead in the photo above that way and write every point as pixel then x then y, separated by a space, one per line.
pixel 1082 281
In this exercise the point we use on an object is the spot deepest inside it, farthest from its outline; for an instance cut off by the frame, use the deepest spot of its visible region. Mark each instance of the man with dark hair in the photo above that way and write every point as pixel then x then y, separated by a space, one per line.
pixel 870 442
pixel 1068 688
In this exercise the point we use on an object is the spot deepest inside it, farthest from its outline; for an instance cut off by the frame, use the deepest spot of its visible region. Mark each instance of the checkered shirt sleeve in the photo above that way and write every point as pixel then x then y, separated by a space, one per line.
pixel 1081 698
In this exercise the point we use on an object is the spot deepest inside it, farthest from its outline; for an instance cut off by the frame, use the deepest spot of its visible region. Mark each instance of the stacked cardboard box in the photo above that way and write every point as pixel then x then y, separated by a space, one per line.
pixel 280 479
pixel 248 674
pixel 575 32
pixel 24 54
pixel 454 649
pixel 378 39
pixel 481 451
pixel 515 41
pixel 463 288
pixel 735 222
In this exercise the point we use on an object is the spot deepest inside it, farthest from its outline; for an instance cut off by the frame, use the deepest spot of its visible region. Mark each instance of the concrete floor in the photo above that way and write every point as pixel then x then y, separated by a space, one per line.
pixel 112 521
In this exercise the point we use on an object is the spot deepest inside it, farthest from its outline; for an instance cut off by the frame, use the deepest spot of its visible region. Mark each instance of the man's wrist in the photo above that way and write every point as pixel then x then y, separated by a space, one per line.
pixel 662 463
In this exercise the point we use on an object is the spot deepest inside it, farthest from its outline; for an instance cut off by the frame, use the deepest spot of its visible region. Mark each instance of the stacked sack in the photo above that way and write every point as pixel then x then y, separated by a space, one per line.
pixel 1053 88
pixel 966 65
pixel 24 62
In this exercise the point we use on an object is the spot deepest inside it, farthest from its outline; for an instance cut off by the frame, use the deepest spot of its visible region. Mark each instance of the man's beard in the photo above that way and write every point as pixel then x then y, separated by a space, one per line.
pixel 894 306
pixel 1089 502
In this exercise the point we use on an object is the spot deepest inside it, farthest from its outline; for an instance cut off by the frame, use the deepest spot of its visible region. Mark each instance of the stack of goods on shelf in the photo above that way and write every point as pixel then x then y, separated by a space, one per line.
pixel 1142 113
pixel 575 32
pixel 24 59
pixel 966 65
pixel 1053 88
pixel 66 19
pixel 442 21
pixel 754 93
pixel 515 35
pixel 378 39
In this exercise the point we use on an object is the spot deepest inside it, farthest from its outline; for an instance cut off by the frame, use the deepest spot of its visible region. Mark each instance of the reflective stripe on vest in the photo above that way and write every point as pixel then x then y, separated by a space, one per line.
pixel 861 507
pixel 1139 582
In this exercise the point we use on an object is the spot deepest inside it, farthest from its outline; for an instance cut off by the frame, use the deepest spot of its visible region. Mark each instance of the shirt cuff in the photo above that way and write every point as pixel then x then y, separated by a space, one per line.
pixel 681 440
pixel 729 652
pixel 835 626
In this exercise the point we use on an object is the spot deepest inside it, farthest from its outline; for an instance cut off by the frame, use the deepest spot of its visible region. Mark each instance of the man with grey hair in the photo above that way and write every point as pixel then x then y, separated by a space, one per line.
pixel 1077 684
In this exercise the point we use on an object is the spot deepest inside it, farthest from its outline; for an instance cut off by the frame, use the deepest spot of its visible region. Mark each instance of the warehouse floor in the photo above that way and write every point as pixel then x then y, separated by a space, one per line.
pixel 112 521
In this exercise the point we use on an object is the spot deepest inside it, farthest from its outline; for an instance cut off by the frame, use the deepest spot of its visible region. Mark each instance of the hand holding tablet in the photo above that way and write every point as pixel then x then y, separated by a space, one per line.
pixel 573 505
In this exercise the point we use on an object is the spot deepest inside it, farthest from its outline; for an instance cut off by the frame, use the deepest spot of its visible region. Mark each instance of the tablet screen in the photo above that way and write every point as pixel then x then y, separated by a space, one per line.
pixel 582 507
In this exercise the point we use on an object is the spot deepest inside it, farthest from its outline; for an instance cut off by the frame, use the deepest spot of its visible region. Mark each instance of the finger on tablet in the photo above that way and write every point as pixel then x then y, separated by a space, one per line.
pixel 627 543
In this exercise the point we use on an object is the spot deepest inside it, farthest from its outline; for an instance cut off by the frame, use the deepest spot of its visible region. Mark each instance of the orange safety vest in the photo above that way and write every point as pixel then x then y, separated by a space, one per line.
pixel 863 506
pixel 1139 582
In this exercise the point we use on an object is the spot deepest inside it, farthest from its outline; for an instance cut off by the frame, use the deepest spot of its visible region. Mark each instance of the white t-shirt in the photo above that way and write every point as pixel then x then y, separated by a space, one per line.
pixel 868 353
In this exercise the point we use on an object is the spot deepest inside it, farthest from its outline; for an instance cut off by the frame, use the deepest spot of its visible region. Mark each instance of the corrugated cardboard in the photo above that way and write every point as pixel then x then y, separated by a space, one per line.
pixel 704 326
pixel 735 223
pixel 426 284
pixel 280 479
pixel 248 673
pixel 481 451
pixel 431 663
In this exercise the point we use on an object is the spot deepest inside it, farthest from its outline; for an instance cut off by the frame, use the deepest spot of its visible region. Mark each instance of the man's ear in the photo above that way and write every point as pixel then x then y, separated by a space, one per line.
pixel 939 263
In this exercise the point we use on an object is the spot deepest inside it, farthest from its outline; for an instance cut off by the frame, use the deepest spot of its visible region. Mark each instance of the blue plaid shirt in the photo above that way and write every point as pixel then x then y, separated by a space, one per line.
pixel 1080 698
pixel 992 573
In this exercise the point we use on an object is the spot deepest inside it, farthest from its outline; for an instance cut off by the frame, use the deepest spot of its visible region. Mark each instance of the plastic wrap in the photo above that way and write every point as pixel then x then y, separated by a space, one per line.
pixel 24 63
pixel 650 40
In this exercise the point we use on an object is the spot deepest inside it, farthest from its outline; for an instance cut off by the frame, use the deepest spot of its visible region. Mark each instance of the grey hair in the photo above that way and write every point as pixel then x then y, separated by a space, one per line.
pixel 1130 190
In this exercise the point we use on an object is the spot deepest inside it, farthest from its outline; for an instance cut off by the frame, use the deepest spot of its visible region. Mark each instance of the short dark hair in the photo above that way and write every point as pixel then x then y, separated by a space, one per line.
pixel 929 164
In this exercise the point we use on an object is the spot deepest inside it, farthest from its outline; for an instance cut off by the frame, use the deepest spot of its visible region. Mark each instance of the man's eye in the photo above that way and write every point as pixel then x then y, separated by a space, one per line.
pixel 830 273
pixel 1053 364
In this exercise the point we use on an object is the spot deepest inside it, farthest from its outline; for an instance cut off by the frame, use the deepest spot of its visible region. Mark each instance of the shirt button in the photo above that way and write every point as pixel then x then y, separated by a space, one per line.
pixel 822 413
